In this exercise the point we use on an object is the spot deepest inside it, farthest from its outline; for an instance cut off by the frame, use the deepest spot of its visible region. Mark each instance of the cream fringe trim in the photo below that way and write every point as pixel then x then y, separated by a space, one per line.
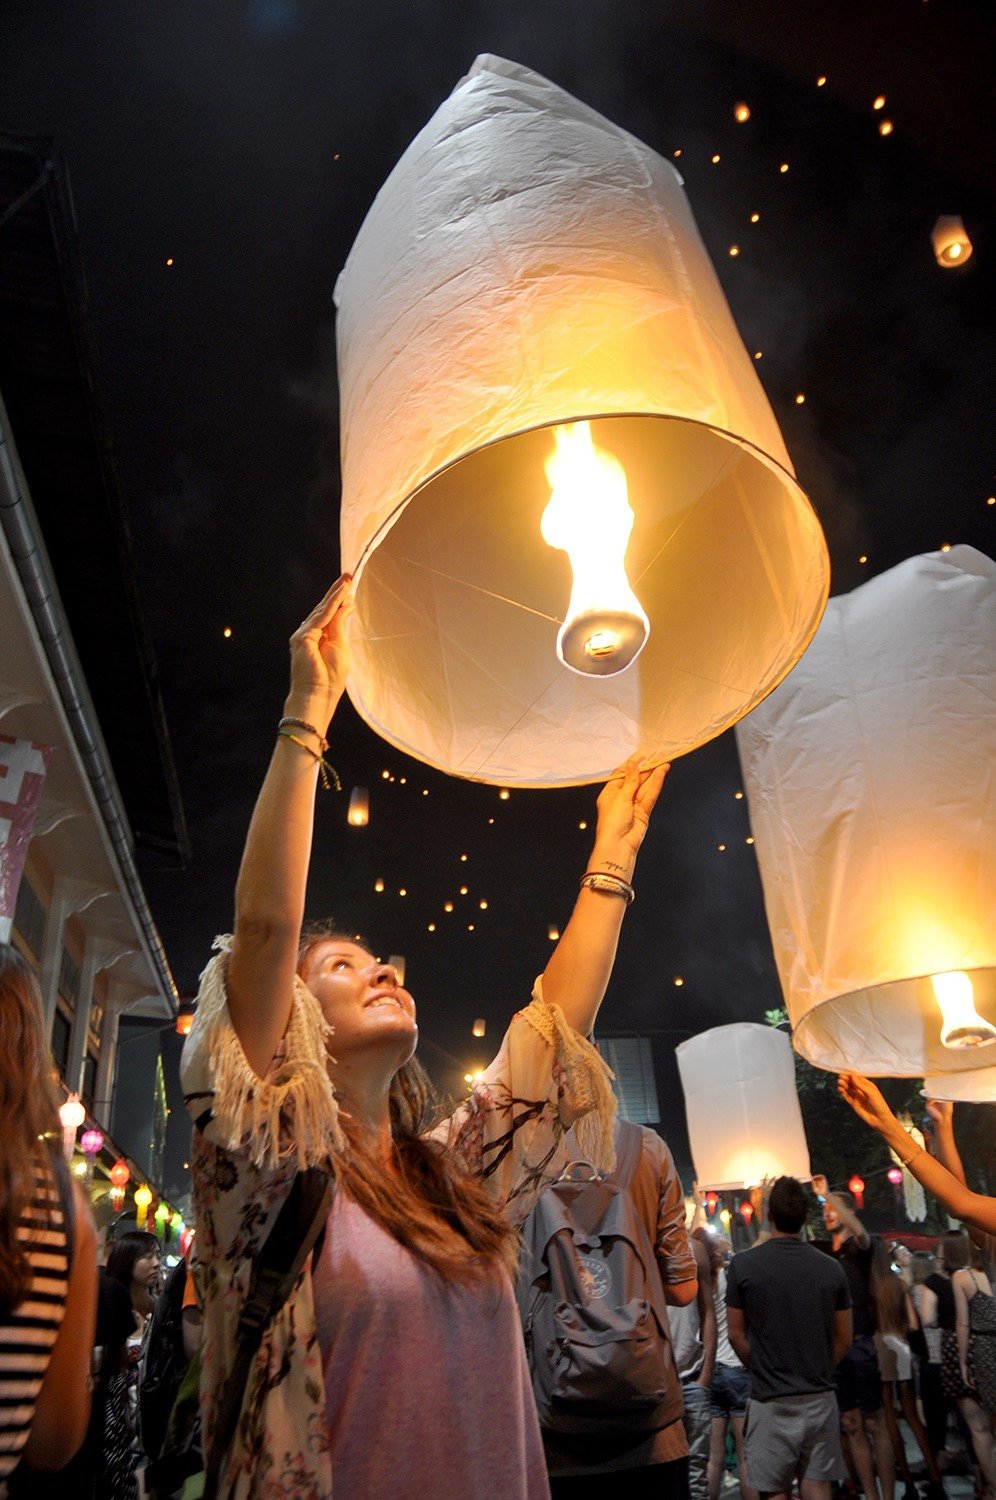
pixel 589 1091
pixel 297 1093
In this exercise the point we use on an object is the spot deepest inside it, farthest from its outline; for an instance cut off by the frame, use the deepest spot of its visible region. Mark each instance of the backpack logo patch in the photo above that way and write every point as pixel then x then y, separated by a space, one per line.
pixel 594 1276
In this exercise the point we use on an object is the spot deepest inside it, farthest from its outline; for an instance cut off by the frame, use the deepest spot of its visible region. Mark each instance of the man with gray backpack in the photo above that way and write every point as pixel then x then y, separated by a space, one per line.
pixel 602 1257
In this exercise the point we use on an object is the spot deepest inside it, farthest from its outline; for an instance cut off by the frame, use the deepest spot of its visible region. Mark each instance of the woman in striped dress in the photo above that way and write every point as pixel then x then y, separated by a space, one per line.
pixel 48 1251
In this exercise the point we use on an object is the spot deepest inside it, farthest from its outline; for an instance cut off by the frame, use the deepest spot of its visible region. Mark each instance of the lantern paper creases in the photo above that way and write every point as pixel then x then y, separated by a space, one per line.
pixel 528 265
pixel 744 1121
pixel 871 778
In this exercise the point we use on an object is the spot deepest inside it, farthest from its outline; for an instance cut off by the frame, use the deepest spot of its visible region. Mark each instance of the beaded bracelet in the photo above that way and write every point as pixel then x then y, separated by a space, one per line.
pixel 613 885
pixel 324 769
pixel 303 724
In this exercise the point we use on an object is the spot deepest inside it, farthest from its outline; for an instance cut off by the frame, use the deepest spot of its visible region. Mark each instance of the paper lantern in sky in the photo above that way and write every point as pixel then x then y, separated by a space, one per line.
pixel 528 299
pixel 869 774
pixel 744 1122
pixel 952 246
pixel 358 815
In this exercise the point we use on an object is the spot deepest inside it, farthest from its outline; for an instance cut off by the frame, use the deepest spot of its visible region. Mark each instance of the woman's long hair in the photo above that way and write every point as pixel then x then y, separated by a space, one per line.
pixel 428 1203
pixel 888 1293
pixel 28 1111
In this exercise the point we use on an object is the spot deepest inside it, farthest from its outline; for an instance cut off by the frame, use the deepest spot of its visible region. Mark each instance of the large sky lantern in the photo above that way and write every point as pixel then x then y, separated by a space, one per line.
pixel 869 774
pixel 573 525
pixel 742 1108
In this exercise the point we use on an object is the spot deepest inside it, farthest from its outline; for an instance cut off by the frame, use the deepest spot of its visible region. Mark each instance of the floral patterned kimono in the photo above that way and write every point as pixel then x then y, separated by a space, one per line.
pixel 254 1134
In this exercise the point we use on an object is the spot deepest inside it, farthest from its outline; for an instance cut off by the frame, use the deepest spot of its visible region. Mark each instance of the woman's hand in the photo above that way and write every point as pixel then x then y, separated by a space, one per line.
pixel 941 1111
pixel 320 656
pixel 866 1100
pixel 624 807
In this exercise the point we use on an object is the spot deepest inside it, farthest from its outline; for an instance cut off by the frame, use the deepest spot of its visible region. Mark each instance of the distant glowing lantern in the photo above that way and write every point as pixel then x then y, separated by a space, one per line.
pixel 143 1197
pixel 397 962
pixel 868 774
pixel 741 113
pixel 553 933
pixel 92 1141
pixel 359 807
pixel 712 1200
pixel 478 1027
pixel 162 1216
pixel 952 246
pixel 744 1122
pixel 895 1176
pixel 725 1217
pixel 71 1117
pixel 746 1210
pixel 529 313
pixel 856 1188
pixel 120 1175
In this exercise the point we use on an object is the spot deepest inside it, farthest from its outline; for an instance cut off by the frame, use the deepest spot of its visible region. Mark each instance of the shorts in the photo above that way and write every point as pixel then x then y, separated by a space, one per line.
pixel 895 1362
pixel 857 1378
pixel 793 1437
pixel 729 1392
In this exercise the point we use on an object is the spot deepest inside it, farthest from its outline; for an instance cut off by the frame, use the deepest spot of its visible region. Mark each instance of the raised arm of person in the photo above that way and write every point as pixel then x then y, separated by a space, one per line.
pixel 941 1112
pixel 868 1104
pixel 578 972
pixel 270 891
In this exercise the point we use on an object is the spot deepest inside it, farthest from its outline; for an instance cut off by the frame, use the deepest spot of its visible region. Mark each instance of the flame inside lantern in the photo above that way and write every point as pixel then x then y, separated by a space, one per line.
pixel 589 517
pixel 961 1024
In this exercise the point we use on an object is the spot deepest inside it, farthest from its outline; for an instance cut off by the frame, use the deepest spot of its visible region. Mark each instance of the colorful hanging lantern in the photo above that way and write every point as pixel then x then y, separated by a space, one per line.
pixel 868 773
pixel 572 523
pixel 92 1141
pixel 120 1175
pixel 143 1197
pixel 742 1108
pixel 711 1203
pixel 358 815
pixel 952 246
pixel 71 1117
pixel 856 1188
pixel 746 1210
pixel 185 1013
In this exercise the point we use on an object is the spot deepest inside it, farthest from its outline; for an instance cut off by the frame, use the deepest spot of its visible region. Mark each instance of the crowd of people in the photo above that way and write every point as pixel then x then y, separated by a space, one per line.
pixel 368 1279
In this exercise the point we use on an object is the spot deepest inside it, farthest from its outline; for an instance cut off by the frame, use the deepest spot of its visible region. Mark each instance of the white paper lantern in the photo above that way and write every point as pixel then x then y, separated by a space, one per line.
pixel 358 815
pixel 527 266
pixel 742 1108
pixel 870 776
pixel 975 1087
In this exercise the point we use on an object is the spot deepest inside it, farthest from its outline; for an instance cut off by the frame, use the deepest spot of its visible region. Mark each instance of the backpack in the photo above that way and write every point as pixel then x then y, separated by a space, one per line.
pixel 592 1303
pixel 982 1347
pixel 164 1363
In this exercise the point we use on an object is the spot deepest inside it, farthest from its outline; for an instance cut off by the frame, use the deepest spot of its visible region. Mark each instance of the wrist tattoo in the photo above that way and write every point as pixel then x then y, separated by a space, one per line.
pixel 610 865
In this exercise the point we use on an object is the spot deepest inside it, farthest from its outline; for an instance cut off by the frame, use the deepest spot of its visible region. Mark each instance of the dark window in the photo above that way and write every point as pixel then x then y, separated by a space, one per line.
pixel 29 917
pixel 60 1041
pixel 89 1080
pixel 69 979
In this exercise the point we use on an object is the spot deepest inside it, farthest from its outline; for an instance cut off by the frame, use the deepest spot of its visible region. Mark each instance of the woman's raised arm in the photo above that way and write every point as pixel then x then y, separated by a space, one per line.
pixel 868 1104
pixel 270 891
pixel 578 972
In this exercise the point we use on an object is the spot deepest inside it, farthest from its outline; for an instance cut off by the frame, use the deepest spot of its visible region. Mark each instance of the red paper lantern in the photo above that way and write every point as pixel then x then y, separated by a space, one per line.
pixel 746 1210
pixel 711 1201
pixel 120 1175
pixel 856 1187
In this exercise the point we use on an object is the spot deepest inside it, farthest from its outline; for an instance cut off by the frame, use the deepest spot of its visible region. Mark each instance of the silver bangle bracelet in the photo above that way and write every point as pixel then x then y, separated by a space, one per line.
pixel 613 885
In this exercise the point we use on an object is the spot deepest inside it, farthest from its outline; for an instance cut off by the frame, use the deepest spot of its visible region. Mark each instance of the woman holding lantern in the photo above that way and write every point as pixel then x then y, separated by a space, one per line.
pixel 396 1363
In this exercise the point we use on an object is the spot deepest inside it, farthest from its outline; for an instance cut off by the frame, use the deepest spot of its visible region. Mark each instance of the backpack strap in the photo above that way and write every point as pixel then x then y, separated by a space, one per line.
pixel 630 1138
pixel 277 1268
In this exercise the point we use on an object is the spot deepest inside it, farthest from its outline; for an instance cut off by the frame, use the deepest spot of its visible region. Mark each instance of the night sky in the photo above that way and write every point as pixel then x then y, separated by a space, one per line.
pixel 222 157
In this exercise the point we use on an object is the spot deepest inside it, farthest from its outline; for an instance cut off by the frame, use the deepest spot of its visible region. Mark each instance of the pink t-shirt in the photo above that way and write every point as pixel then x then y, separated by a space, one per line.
pixel 427 1391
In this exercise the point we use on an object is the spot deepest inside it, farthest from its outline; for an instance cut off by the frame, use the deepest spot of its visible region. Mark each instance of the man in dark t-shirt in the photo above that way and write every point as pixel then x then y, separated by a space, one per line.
pixel 789 1320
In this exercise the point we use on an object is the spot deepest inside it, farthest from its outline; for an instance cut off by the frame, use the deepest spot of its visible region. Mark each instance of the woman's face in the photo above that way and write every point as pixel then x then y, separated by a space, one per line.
pixel 361 999
pixel 146 1273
